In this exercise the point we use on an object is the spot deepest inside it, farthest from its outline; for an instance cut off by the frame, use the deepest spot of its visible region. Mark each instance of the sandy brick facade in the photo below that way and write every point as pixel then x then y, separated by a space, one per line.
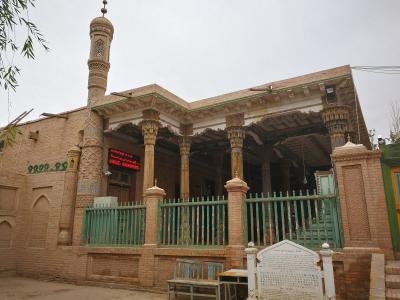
pixel 33 182
pixel 362 199
pixel 150 265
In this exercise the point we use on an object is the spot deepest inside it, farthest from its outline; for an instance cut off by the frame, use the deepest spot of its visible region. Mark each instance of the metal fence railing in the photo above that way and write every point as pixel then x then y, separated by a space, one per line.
pixel 118 226
pixel 193 222
pixel 309 220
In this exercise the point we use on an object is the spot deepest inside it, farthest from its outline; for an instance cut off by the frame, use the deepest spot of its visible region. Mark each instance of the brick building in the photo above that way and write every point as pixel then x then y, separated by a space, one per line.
pixel 181 173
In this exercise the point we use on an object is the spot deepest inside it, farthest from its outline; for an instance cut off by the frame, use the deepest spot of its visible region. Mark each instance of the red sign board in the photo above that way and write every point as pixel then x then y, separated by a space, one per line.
pixel 123 160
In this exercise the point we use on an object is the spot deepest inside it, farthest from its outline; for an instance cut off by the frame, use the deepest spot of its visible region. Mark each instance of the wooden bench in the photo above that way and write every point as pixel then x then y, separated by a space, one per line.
pixel 194 279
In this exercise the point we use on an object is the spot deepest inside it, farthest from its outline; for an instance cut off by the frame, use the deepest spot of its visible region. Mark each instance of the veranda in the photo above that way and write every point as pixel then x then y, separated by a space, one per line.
pixel 292 188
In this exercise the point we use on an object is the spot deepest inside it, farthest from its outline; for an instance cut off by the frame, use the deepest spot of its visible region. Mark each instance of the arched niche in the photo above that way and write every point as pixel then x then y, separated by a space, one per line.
pixel 39 222
pixel 5 234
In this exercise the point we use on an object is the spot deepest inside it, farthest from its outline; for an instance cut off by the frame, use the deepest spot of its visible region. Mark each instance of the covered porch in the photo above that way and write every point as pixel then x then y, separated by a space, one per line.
pixel 278 154
pixel 276 139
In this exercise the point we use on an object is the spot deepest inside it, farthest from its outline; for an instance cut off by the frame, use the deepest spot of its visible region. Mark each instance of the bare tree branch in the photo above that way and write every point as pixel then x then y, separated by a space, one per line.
pixel 395 122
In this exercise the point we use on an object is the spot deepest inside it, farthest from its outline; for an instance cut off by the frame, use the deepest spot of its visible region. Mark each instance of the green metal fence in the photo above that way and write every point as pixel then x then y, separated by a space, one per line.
pixel 195 222
pixel 114 226
pixel 309 220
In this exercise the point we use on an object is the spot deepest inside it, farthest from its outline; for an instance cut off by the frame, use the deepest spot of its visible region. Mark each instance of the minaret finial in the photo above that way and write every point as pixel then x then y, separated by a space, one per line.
pixel 104 9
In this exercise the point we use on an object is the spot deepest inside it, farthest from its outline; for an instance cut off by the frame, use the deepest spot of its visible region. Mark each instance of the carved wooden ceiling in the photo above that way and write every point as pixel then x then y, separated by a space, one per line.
pixel 293 135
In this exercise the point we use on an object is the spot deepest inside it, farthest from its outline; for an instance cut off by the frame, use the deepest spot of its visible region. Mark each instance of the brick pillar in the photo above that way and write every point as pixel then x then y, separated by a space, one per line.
pixel 150 127
pixel 152 196
pixel 69 196
pixel 362 199
pixel 336 118
pixel 236 134
pixel 237 189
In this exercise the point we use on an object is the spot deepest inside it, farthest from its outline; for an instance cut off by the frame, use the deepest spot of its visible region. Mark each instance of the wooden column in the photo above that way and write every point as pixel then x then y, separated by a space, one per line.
pixel 266 153
pixel 285 167
pixel 184 148
pixel 218 161
pixel 236 134
pixel 336 118
pixel 150 127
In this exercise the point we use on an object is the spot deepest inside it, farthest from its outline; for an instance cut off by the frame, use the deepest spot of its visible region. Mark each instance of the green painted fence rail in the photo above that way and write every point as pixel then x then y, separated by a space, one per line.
pixel 122 225
pixel 195 222
pixel 309 220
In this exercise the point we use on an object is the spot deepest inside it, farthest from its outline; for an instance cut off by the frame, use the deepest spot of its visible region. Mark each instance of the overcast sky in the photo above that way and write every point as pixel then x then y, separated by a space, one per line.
pixel 198 49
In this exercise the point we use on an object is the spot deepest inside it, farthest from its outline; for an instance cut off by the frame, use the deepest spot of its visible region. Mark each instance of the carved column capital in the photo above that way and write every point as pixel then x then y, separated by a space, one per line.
pixel 149 131
pixel 336 120
pixel 184 145
pixel 236 135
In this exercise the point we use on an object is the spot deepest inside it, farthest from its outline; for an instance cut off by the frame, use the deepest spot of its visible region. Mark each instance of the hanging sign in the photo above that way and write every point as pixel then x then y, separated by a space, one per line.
pixel 123 160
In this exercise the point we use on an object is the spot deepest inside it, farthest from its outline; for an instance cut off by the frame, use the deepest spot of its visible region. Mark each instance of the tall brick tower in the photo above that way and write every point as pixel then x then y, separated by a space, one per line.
pixel 90 169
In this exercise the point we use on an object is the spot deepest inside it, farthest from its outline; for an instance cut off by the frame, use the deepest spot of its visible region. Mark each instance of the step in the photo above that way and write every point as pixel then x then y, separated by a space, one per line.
pixel 392 267
pixel 393 281
pixel 392 294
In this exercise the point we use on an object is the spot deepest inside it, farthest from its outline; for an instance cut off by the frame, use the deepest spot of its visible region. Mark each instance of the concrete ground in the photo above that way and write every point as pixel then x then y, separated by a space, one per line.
pixel 12 288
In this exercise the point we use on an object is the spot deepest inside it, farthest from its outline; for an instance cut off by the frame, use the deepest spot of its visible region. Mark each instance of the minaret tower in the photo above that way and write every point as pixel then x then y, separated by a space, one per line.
pixel 90 169
pixel 101 34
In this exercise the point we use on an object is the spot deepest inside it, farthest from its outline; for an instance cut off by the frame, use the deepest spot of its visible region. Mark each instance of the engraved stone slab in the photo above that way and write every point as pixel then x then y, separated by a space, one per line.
pixel 287 270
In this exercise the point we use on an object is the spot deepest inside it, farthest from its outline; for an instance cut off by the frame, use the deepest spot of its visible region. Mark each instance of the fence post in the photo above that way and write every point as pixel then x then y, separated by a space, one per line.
pixel 237 189
pixel 327 254
pixel 251 271
pixel 152 196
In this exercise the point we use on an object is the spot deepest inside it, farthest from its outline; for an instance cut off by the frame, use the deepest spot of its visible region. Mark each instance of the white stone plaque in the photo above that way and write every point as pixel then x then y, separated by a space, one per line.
pixel 287 270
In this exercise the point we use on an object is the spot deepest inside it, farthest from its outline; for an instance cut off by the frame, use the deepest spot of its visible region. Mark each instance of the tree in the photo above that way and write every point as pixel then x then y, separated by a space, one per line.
pixel 14 14
pixel 395 122
pixel 371 135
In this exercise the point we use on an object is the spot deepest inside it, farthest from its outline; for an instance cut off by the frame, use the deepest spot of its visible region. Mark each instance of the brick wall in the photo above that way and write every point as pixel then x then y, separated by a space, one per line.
pixel 362 199
pixel 29 201
pixel 12 192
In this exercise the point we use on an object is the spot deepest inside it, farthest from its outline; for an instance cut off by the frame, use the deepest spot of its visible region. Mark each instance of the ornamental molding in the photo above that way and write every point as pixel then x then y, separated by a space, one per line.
pixel 184 145
pixel 305 93
pixel 355 156
pixel 149 131
pixel 236 135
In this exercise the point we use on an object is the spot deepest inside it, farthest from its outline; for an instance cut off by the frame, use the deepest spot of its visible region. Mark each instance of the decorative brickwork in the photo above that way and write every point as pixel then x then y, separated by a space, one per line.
pixel 90 170
pixel 359 228
pixel 69 196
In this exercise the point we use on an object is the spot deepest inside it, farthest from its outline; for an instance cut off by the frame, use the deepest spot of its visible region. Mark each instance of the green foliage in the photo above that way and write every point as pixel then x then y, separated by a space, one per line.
pixel 8 135
pixel 371 134
pixel 13 15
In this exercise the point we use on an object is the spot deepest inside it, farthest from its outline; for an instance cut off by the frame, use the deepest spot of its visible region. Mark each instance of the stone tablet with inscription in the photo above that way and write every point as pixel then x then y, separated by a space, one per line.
pixel 287 270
